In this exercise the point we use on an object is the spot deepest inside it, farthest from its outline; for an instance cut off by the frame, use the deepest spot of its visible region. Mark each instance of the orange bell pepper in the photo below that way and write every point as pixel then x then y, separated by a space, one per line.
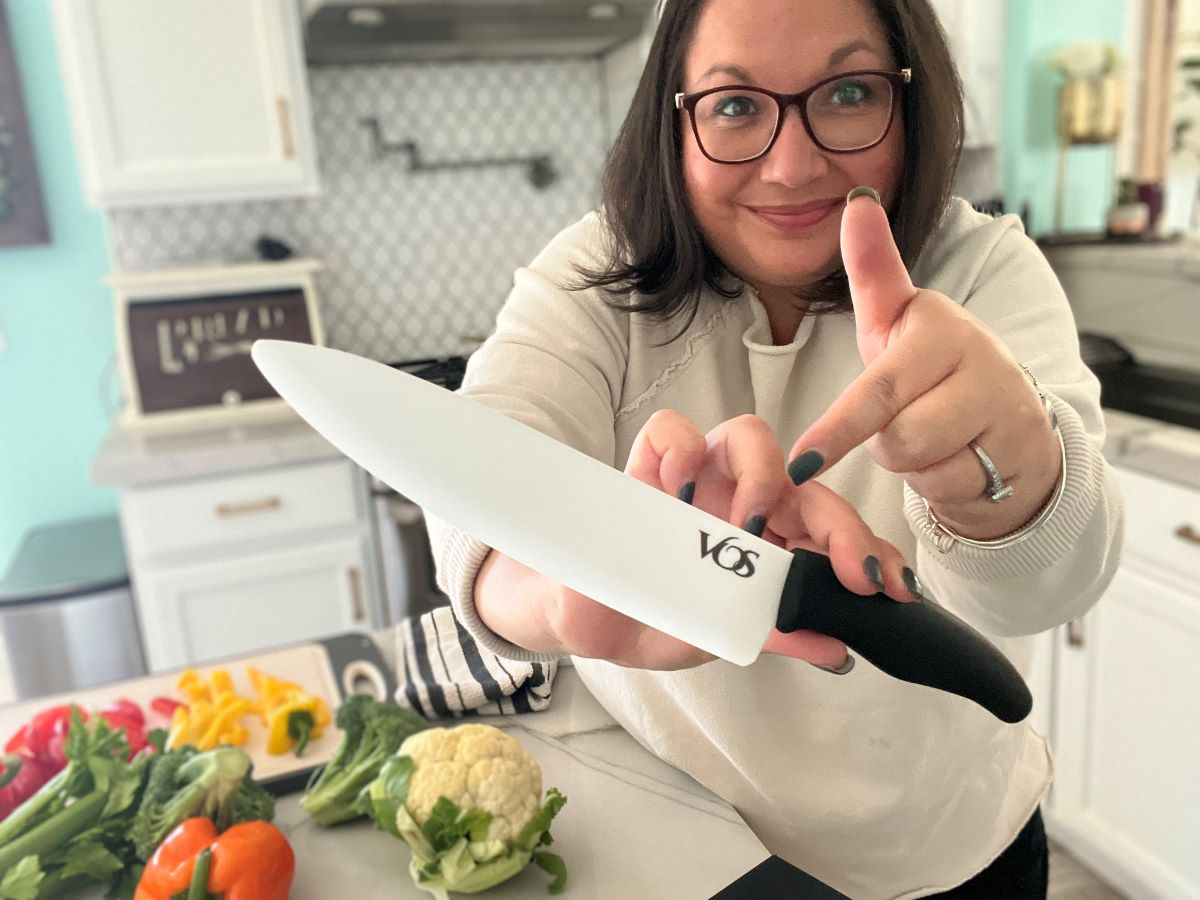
pixel 251 861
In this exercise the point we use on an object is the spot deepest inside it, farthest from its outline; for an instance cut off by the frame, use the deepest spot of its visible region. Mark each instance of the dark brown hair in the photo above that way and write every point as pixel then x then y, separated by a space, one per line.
pixel 658 251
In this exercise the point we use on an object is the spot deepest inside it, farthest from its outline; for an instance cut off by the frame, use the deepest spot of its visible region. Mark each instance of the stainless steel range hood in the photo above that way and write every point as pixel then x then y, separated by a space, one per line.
pixel 338 31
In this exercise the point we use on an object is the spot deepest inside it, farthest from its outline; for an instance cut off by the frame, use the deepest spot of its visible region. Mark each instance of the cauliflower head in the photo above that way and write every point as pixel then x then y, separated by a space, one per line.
pixel 477 767
pixel 467 801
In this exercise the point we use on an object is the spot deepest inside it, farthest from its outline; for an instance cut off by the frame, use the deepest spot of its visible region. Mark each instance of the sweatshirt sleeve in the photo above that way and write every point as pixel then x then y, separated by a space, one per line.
pixel 555 362
pixel 1063 567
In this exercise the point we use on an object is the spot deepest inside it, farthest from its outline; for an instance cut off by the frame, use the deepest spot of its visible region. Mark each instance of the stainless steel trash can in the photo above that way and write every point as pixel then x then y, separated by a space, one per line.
pixel 66 613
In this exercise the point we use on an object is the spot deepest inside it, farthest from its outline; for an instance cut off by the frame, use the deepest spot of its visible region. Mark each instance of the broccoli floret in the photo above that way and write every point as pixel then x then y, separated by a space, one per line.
pixel 373 732
pixel 185 783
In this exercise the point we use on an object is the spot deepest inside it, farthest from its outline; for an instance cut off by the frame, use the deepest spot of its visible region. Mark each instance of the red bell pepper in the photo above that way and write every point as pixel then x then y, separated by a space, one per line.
pixel 20 778
pixel 251 861
pixel 165 706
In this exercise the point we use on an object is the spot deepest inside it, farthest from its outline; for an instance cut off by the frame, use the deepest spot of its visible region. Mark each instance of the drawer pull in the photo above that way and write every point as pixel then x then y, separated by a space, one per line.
pixel 356 597
pixel 1075 633
pixel 1188 533
pixel 266 504
pixel 285 126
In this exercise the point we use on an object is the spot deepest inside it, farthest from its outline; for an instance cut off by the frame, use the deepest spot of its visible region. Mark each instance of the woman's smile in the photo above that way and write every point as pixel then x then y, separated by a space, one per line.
pixel 792 218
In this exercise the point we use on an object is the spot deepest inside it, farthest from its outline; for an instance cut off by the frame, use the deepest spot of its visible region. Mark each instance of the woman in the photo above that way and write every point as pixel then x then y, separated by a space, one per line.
pixel 742 293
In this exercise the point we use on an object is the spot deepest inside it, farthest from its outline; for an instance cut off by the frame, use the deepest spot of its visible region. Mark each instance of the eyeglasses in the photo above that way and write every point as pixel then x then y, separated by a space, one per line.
pixel 844 114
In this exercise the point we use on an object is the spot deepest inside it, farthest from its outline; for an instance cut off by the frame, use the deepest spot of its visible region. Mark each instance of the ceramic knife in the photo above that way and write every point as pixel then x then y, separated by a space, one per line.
pixel 623 543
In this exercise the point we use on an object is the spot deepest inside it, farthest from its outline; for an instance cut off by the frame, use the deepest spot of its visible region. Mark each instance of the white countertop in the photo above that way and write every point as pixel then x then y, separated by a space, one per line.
pixel 127 458
pixel 1169 452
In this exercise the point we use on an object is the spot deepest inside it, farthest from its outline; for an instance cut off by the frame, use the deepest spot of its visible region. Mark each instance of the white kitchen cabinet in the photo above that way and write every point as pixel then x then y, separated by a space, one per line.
pixel 250 560
pixel 184 101
pixel 975 29
pixel 1126 718
pixel 252 602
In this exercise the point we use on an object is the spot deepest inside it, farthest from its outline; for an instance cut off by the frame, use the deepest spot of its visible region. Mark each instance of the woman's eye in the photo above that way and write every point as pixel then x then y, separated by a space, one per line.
pixel 734 107
pixel 849 93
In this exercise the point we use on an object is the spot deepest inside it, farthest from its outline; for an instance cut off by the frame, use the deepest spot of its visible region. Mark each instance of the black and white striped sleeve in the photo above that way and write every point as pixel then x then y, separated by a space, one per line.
pixel 443 672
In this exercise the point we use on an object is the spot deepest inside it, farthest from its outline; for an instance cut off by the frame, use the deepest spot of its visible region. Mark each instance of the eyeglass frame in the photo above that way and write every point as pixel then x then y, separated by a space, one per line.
pixel 687 102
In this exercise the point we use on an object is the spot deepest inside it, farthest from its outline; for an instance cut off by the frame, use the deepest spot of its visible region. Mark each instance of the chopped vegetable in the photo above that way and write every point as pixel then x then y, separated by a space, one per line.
pixel 251 861
pixel 372 732
pixel 185 783
pixel 291 715
pixel 213 714
pixel 165 706
pixel 74 829
pixel 20 778
pixel 467 802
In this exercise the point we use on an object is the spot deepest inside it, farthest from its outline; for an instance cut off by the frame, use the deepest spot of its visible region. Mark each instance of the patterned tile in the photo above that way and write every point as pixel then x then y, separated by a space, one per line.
pixel 415 263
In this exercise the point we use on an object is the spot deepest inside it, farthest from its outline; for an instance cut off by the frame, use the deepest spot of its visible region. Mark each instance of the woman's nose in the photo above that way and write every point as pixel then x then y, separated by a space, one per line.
pixel 794 159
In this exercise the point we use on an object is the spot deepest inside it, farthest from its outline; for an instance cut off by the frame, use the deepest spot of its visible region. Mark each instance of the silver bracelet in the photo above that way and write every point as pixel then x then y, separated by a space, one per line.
pixel 945 538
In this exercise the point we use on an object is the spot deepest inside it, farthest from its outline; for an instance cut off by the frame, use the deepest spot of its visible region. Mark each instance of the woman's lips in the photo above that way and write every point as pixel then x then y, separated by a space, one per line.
pixel 796 218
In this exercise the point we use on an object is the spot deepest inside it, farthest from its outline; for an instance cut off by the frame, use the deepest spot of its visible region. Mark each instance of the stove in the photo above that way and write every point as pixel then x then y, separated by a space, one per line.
pixel 446 371
pixel 406 560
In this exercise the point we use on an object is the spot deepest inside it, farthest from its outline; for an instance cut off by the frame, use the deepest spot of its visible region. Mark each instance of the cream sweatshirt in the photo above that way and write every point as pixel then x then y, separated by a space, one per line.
pixel 880 788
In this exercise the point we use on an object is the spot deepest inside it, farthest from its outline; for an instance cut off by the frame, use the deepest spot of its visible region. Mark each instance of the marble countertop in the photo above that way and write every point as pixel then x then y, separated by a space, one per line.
pixel 1169 452
pixel 128 459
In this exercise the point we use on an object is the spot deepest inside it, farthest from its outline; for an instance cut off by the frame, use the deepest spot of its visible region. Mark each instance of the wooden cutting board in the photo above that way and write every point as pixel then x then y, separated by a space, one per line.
pixel 329 669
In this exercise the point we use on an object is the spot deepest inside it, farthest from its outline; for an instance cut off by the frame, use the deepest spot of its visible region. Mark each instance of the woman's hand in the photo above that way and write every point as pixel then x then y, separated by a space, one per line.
pixel 936 379
pixel 737 473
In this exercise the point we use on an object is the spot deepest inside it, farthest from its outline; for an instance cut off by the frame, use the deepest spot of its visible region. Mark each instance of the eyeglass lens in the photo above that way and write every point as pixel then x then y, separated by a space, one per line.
pixel 847 114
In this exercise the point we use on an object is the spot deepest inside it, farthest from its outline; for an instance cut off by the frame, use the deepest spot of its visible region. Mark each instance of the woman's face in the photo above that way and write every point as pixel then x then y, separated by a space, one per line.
pixel 775 221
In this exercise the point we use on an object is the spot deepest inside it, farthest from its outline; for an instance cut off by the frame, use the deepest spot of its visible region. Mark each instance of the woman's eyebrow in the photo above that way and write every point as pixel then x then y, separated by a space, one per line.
pixel 842 52
pixel 728 69
pixel 741 74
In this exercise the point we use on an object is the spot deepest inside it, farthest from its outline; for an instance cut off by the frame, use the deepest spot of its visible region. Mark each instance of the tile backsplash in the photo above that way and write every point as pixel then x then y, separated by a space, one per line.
pixel 416 264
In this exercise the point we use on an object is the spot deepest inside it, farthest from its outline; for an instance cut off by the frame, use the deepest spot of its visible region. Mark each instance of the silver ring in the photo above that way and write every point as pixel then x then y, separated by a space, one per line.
pixel 998 489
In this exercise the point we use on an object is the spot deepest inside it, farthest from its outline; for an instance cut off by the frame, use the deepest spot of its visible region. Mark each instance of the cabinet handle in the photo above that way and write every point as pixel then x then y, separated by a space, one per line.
pixel 1188 533
pixel 360 613
pixel 266 504
pixel 1075 633
pixel 285 126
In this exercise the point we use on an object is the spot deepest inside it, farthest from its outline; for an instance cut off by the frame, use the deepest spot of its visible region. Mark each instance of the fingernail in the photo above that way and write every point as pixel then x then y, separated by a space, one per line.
pixel 755 525
pixel 843 669
pixel 874 571
pixel 687 493
pixel 913 583
pixel 805 466
pixel 864 190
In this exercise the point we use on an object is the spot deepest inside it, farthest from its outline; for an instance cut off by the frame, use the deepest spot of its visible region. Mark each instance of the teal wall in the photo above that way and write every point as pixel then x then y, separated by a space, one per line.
pixel 1036 30
pixel 55 316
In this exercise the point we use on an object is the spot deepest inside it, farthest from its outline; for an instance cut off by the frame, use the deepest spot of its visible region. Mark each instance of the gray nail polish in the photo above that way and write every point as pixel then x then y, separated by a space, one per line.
pixel 805 466
pixel 864 190
pixel 874 572
pixel 843 669
pixel 687 493
pixel 913 583
pixel 755 525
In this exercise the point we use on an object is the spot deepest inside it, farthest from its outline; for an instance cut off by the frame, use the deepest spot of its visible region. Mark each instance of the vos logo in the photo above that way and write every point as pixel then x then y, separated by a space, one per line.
pixel 728 555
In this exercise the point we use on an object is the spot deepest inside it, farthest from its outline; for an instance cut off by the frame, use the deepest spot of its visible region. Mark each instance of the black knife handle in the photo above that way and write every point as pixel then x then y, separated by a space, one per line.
pixel 918 642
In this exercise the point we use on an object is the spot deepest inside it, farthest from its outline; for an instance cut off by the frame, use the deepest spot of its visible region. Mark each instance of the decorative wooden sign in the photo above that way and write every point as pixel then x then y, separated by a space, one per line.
pixel 184 339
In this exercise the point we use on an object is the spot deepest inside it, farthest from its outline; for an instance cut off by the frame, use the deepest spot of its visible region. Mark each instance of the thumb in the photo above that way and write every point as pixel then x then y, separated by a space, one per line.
pixel 879 284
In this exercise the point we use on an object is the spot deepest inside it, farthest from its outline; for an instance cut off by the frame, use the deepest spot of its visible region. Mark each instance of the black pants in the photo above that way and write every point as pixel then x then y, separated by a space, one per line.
pixel 1019 873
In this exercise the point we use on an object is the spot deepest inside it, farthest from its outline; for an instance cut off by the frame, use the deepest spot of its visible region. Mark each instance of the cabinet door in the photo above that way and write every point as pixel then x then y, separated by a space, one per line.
pixel 1127 736
pixel 245 603
pixel 178 101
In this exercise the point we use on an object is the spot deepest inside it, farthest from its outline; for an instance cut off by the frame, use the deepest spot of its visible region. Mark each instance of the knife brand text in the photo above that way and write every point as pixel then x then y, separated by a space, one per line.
pixel 738 560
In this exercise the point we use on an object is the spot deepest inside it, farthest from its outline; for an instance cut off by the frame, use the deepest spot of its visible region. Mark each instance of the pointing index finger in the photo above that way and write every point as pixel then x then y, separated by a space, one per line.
pixel 899 375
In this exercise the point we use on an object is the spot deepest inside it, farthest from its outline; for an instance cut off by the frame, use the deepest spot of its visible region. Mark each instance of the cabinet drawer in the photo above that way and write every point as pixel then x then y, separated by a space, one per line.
pixel 1162 524
pixel 246 507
